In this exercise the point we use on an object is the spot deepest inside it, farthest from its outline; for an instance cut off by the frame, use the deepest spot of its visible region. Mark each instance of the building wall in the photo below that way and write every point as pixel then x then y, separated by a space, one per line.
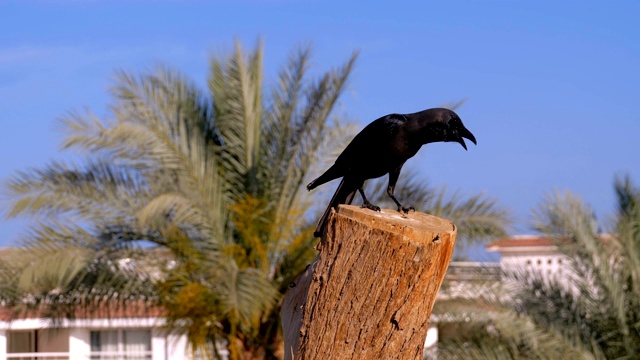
pixel 551 265
pixel 79 343
pixel 74 337
pixel 176 347
pixel 544 262
pixel 158 344
pixel 3 344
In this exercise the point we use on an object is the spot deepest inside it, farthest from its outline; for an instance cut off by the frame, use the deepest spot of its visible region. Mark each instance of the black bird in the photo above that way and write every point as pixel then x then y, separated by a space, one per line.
pixel 382 147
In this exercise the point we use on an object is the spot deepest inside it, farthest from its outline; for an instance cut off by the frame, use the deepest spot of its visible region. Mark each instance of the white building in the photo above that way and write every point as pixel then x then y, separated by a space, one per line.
pixel 535 253
pixel 125 334
pixel 112 332
pixel 530 253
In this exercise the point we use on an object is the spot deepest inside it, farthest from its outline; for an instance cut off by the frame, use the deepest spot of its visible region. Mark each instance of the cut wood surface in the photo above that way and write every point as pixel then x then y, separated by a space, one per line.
pixel 370 292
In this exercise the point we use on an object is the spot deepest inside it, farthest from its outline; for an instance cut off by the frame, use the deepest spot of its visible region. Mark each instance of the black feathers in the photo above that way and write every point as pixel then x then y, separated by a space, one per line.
pixel 382 147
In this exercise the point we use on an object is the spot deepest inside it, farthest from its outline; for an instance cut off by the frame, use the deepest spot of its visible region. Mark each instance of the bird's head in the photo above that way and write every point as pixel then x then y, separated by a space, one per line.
pixel 444 125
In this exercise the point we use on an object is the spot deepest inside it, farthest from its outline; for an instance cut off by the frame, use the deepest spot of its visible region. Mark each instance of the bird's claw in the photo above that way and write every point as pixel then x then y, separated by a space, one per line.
pixel 406 210
pixel 371 207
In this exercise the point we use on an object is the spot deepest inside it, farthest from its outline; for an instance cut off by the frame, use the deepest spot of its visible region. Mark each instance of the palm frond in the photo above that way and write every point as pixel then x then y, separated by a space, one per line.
pixel 238 113
pixel 490 330
pixel 454 105
pixel 179 123
pixel 628 196
pixel 53 270
pixel 606 271
pixel 245 294
pixel 173 209
pixel 307 133
pixel 95 189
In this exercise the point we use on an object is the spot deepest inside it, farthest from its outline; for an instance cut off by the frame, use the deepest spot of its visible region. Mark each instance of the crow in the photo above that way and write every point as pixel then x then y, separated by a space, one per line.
pixel 382 147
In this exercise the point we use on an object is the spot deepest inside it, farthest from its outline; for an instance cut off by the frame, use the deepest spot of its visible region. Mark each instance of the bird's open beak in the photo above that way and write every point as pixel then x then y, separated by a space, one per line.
pixel 464 133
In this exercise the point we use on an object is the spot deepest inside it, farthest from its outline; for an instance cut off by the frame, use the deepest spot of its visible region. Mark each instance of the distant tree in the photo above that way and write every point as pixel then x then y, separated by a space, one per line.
pixel 592 312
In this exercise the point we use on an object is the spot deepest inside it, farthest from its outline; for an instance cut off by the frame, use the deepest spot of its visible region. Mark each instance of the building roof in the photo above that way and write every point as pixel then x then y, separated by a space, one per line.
pixel 538 243
pixel 109 310
pixel 105 311
pixel 523 240
pixel 523 243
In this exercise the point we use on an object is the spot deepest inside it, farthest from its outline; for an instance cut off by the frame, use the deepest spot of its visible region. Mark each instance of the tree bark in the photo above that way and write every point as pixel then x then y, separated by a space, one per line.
pixel 370 292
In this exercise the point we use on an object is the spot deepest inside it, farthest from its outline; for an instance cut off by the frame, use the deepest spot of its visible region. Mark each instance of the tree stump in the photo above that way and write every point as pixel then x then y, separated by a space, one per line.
pixel 370 292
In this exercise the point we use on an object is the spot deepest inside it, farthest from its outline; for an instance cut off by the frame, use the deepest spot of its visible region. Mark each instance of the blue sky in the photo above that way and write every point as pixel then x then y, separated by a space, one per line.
pixel 551 87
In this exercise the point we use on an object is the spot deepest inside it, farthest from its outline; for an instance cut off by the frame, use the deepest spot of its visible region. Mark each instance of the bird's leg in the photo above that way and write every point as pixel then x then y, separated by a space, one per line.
pixel 400 207
pixel 366 203
pixel 393 179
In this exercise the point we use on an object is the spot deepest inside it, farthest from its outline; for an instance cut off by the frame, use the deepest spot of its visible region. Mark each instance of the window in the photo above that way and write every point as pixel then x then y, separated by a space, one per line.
pixel 105 341
pixel 121 344
pixel 136 342
pixel 21 341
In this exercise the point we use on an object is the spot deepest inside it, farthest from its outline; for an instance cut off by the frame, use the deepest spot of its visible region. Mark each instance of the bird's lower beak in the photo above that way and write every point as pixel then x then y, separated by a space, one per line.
pixel 460 141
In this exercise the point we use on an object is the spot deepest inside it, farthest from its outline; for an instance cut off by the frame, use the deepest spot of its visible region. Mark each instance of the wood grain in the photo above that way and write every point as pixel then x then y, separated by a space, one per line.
pixel 370 292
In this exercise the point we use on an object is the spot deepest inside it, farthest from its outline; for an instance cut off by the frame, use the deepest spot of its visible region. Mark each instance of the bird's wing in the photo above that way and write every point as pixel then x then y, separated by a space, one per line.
pixel 367 142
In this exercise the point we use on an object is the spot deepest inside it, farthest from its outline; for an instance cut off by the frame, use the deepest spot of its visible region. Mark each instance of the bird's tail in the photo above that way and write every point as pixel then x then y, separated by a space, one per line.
pixel 344 195
pixel 332 173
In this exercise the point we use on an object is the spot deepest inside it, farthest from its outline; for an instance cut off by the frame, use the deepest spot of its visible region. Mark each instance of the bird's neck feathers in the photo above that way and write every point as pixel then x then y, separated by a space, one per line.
pixel 425 128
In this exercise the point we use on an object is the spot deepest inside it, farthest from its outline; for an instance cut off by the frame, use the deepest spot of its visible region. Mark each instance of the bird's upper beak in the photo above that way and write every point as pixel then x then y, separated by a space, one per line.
pixel 464 133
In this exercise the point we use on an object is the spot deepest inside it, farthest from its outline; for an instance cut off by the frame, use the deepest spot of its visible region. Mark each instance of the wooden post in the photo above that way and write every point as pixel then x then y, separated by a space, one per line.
pixel 370 292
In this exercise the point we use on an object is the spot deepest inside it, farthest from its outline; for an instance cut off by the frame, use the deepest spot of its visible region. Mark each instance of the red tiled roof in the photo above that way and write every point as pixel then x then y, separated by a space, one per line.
pixel 104 311
pixel 522 241
pixel 111 310
pixel 534 241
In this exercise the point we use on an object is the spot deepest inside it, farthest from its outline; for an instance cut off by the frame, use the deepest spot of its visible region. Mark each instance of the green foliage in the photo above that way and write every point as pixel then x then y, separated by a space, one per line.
pixel 608 265
pixel 590 312
pixel 504 335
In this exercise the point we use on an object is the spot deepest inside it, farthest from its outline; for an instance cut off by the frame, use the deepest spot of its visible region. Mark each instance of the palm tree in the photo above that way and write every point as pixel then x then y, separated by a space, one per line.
pixel 269 148
pixel 215 182
pixel 591 313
